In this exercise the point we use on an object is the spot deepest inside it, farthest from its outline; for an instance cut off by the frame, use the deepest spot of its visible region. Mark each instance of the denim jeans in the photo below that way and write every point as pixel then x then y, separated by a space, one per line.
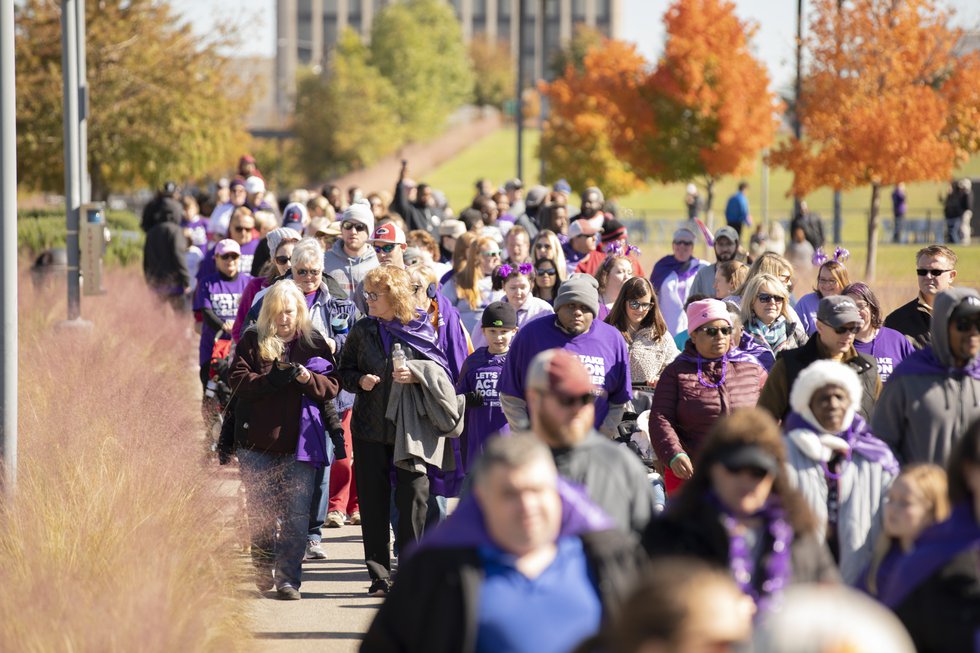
pixel 320 499
pixel 278 488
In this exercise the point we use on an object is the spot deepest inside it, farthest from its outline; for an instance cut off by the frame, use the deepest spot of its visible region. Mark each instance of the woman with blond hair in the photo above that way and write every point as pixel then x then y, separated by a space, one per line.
pixel 283 375
pixel 471 289
pixel 767 317
pixel 547 245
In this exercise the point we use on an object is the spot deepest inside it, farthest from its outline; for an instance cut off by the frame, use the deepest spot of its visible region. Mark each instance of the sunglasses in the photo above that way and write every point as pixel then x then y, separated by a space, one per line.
pixel 640 306
pixel 543 246
pixel 228 257
pixel 355 226
pixel 241 230
pixel 575 401
pixel 547 273
pixel 755 472
pixel 490 254
pixel 303 272
pixel 932 273
pixel 387 249
pixel 714 331
pixel 841 330
pixel 766 298
pixel 685 243
pixel 373 296
pixel 282 260
pixel 967 324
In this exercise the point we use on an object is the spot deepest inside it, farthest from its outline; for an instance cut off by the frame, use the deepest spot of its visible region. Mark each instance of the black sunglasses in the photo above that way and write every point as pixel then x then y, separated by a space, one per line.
pixel 640 306
pixel 547 273
pixel 282 260
pixel 755 472
pixel 303 272
pixel 686 243
pixel 714 331
pixel 356 226
pixel 766 298
pixel 841 330
pixel 569 402
pixel 967 324
pixel 228 257
pixel 932 273
pixel 241 230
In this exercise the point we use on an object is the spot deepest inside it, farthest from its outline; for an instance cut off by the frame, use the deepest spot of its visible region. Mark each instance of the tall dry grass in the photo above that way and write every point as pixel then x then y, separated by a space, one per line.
pixel 114 540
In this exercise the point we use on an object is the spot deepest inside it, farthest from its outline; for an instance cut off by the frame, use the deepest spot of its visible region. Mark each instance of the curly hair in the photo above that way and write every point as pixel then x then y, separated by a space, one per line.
pixel 397 283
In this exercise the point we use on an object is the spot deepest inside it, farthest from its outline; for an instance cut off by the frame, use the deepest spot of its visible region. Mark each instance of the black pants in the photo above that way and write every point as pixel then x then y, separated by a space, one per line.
pixel 373 475
pixel 737 226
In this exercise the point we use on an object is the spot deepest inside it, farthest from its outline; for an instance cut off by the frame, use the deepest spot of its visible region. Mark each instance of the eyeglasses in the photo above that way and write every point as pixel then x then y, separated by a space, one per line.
pixel 282 260
pixel 932 273
pixel 766 298
pixel 967 324
pixel 387 249
pixel 491 254
pixel 639 306
pixel 373 296
pixel 755 472
pixel 547 273
pixel 575 401
pixel 685 243
pixel 356 226
pixel 228 257
pixel 826 282
pixel 841 330
pixel 714 331
pixel 303 272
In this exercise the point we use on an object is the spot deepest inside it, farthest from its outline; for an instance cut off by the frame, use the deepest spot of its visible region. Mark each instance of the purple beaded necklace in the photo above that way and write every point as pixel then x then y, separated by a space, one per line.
pixel 724 372
pixel 778 567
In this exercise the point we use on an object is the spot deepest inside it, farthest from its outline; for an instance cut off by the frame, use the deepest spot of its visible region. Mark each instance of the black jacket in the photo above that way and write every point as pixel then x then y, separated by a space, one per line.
pixel 912 320
pixel 433 606
pixel 164 259
pixel 160 209
pixel 363 353
pixel 415 217
pixel 703 536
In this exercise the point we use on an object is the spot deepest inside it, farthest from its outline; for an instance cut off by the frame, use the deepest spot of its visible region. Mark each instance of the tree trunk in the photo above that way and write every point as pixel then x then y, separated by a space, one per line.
pixel 869 267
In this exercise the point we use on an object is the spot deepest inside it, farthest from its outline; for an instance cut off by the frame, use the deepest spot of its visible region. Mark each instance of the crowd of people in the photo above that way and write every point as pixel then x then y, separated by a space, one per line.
pixel 548 450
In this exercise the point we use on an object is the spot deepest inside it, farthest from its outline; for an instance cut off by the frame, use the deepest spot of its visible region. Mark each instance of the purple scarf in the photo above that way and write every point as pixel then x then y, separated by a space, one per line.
pixel 935 547
pixel 858 436
pixel 668 264
pixel 417 334
pixel 311 446
pixel 735 355
pixel 466 526
pixel 452 337
pixel 924 362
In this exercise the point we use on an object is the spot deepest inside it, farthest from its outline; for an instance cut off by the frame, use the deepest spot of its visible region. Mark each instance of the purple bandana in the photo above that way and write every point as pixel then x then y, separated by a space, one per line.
pixel 858 436
pixel 924 362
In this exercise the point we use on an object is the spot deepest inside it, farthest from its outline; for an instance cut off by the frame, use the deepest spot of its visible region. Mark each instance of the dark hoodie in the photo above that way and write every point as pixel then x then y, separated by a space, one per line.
pixel 927 402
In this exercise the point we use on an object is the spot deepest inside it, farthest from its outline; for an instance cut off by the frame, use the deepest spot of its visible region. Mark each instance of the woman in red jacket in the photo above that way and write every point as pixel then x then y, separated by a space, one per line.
pixel 710 378
pixel 283 374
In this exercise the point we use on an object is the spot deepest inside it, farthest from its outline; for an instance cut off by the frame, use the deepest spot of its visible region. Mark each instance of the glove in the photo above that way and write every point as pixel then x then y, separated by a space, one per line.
pixel 279 378
pixel 473 399
pixel 339 450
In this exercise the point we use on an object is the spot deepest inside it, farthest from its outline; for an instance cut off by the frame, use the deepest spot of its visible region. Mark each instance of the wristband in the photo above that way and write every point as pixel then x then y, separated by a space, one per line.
pixel 676 457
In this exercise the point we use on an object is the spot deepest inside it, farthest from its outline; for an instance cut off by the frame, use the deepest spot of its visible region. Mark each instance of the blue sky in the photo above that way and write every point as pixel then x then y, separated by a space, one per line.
pixel 641 24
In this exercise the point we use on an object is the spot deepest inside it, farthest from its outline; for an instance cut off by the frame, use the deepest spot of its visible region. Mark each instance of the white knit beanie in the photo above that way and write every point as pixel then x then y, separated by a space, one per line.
pixel 823 373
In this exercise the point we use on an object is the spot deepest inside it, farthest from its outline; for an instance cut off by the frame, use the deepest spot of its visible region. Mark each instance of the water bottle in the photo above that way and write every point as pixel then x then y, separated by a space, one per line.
pixel 398 358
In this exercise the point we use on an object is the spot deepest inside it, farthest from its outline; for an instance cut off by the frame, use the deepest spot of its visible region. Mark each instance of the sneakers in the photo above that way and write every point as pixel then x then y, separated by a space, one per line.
pixel 355 518
pixel 263 579
pixel 288 593
pixel 314 551
pixel 380 587
pixel 335 519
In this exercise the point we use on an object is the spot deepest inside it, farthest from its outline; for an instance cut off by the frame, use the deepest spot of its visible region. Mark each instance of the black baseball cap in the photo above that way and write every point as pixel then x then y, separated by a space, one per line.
pixel 499 315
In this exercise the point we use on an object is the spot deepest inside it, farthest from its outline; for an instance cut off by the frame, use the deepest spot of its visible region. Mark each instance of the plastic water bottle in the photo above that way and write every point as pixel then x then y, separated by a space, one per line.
pixel 398 358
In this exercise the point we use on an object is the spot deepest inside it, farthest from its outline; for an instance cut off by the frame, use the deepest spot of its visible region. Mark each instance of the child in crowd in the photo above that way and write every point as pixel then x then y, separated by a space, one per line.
pixel 478 381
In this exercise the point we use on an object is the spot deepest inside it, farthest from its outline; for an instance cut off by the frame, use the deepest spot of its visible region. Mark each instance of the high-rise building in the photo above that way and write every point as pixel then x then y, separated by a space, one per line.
pixel 307 30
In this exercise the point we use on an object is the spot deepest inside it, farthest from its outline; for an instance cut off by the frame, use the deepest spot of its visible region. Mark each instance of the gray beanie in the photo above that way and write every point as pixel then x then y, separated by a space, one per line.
pixel 275 237
pixel 581 289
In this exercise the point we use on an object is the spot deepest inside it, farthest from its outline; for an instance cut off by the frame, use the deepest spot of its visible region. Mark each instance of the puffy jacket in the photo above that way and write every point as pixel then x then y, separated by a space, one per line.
pixel 267 415
pixel 684 410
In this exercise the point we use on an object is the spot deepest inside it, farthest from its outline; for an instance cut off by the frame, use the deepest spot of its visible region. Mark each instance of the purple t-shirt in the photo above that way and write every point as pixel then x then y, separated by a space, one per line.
pixel 890 348
pixel 480 373
pixel 601 349
pixel 199 228
pixel 221 295
pixel 208 266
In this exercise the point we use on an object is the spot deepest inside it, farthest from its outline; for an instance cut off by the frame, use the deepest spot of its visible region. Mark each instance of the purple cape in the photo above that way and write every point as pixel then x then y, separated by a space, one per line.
pixel 860 438
pixel 452 339
pixel 466 526
pixel 935 547
pixel 924 361
pixel 417 334
pixel 668 264
pixel 311 446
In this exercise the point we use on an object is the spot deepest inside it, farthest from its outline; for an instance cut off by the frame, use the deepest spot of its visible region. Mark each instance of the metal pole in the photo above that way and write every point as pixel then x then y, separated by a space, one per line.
pixel 69 72
pixel 797 90
pixel 543 56
pixel 764 186
pixel 838 217
pixel 521 6
pixel 85 194
pixel 8 249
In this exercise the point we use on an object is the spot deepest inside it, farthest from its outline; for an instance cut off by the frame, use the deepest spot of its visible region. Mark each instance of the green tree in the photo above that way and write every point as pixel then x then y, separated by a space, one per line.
pixel 161 105
pixel 584 39
pixel 418 46
pixel 494 70
pixel 346 118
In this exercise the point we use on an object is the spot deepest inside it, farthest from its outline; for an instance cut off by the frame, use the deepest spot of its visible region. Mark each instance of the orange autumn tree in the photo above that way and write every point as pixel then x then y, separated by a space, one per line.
pixel 885 99
pixel 706 111
pixel 576 142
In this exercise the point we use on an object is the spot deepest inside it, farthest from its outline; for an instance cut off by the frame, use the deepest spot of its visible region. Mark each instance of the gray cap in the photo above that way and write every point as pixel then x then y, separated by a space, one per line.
pixel 727 232
pixel 581 289
pixel 838 310
pixel 535 195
